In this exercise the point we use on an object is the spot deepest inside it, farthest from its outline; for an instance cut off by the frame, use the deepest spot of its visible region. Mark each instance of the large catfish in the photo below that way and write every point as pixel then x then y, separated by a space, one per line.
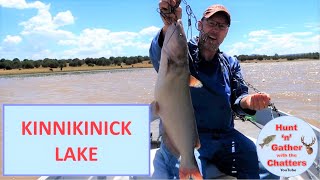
pixel 173 100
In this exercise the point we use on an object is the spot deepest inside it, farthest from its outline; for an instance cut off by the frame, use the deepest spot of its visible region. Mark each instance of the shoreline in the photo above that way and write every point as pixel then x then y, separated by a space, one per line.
pixel 274 61
pixel 86 68
pixel 83 68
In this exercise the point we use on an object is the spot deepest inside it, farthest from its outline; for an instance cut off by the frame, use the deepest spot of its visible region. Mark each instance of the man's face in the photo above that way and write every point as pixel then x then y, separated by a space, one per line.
pixel 213 31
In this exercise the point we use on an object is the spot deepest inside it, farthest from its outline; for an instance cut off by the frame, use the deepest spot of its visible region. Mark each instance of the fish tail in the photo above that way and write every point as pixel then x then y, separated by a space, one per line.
pixel 194 82
pixel 192 173
pixel 189 170
pixel 261 145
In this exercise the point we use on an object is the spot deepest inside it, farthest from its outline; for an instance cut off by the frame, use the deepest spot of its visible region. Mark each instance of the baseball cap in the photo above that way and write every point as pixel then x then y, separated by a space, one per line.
pixel 211 10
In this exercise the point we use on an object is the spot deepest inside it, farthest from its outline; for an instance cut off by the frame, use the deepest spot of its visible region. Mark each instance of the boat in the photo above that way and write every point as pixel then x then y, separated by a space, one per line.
pixel 247 127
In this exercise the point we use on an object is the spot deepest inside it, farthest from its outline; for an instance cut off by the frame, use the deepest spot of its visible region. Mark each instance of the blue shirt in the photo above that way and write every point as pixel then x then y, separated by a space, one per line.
pixel 222 90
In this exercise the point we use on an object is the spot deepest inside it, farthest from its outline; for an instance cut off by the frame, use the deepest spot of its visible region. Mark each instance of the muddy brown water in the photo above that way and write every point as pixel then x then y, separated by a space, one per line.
pixel 293 86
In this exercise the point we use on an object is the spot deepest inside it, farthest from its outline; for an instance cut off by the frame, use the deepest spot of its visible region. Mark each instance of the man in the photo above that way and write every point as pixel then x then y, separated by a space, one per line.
pixel 223 93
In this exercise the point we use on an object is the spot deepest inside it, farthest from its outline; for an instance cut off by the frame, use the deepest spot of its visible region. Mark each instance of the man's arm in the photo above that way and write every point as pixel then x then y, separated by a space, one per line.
pixel 155 50
pixel 239 90
pixel 257 101
pixel 245 104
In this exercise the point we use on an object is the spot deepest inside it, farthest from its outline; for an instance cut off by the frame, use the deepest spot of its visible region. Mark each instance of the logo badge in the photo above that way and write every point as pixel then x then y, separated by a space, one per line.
pixel 287 146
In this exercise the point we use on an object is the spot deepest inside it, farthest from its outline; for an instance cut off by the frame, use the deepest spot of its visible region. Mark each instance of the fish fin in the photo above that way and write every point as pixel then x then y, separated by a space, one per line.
pixel 261 145
pixel 189 169
pixel 194 82
pixel 198 144
pixel 154 111
pixel 193 173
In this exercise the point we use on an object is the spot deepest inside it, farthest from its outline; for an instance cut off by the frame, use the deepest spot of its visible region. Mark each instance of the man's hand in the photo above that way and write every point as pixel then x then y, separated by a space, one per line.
pixel 167 15
pixel 256 101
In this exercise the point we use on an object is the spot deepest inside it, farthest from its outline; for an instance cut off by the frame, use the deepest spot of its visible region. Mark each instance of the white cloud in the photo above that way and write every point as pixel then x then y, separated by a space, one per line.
pixel 280 27
pixel 22 4
pixel 42 30
pixel 123 37
pixel 84 52
pixel 12 39
pixel 259 33
pixel 315 39
pixel 41 22
pixel 67 42
pixel 42 54
pixel 256 36
pixel 103 42
pixel 93 38
pixel 239 47
pixel 101 38
pixel 43 37
pixel 300 33
pixel 149 31
pixel 269 43
pixel 312 26
pixel 63 18
pixel 44 23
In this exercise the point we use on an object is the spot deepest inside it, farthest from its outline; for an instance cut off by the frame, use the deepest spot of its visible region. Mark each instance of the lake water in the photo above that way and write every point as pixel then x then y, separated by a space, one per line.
pixel 293 86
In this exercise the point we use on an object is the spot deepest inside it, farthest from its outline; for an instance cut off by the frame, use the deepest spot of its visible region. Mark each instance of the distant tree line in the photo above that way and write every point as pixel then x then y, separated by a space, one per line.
pixel 314 55
pixel 55 63
pixel 102 61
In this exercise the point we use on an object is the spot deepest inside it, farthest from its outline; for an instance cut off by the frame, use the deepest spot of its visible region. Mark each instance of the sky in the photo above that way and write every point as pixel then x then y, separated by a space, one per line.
pixel 64 29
